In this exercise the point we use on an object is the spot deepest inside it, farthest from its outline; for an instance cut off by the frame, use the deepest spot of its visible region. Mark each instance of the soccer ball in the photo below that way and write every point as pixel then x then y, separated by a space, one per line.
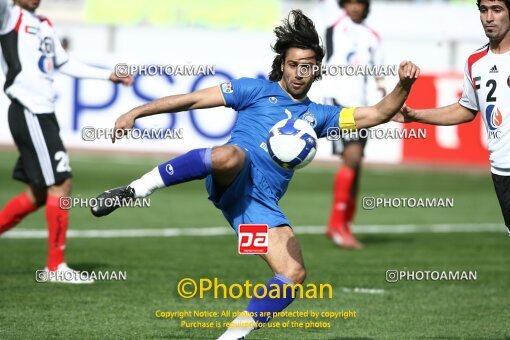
pixel 292 143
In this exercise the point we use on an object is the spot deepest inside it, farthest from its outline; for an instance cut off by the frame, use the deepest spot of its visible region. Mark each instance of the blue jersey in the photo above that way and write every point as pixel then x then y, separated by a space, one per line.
pixel 260 104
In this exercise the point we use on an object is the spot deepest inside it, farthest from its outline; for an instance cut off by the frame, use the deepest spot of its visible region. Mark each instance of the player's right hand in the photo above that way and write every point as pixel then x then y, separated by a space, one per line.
pixel 405 115
pixel 123 123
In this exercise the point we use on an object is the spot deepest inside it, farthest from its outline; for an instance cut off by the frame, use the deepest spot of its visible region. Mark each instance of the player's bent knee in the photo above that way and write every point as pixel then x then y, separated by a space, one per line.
pixel 352 161
pixel 37 196
pixel 297 274
pixel 227 158
pixel 353 155
pixel 353 165
pixel 61 189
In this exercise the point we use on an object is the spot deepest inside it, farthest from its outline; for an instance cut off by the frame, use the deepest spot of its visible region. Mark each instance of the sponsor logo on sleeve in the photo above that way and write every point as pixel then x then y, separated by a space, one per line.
pixel 476 82
pixel 310 119
pixel 227 87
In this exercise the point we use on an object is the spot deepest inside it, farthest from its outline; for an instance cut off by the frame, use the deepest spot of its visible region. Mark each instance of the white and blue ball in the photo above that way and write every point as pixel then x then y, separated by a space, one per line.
pixel 292 143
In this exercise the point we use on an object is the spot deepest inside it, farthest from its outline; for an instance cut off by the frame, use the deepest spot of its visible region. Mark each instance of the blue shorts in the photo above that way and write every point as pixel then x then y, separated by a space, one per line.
pixel 248 199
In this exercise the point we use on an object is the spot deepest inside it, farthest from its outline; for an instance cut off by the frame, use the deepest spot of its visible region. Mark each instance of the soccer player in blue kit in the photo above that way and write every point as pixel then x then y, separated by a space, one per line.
pixel 241 178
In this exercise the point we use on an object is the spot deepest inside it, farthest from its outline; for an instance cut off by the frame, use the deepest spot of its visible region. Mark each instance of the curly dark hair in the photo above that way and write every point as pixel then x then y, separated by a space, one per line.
pixel 298 31
pixel 507 3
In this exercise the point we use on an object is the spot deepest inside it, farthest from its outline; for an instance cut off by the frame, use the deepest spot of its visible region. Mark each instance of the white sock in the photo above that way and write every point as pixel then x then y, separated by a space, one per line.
pixel 241 326
pixel 149 182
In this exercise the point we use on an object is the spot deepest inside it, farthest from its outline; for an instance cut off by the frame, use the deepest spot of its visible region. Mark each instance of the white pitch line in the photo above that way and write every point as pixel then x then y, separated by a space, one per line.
pixel 363 290
pixel 220 231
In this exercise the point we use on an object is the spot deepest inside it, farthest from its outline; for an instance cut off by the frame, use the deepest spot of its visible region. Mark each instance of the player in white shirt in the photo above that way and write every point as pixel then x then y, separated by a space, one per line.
pixel 31 52
pixel 486 90
pixel 349 41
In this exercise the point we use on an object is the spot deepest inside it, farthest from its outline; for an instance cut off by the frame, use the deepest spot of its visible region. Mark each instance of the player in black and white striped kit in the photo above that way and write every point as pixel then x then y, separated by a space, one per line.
pixel 31 52
pixel 486 90
pixel 350 41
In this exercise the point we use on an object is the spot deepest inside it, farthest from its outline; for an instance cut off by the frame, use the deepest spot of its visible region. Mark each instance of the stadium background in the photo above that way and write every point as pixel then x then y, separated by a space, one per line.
pixel 235 36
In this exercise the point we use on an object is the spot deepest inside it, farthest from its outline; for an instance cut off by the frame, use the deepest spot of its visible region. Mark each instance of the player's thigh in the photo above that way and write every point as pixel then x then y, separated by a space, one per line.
pixel 36 195
pixel 43 159
pixel 502 187
pixel 227 163
pixel 351 149
pixel 284 254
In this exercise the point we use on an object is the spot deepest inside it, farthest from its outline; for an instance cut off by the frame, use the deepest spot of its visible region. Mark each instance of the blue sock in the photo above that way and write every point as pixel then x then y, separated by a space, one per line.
pixel 196 164
pixel 268 304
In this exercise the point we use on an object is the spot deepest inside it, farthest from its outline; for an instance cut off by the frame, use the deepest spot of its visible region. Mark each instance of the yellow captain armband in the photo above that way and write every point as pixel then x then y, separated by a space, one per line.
pixel 346 120
pixel 222 95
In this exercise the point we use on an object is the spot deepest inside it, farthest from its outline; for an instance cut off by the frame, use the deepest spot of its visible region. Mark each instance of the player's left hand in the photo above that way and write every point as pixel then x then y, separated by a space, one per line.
pixel 126 81
pixel 408 73
pixel 405 115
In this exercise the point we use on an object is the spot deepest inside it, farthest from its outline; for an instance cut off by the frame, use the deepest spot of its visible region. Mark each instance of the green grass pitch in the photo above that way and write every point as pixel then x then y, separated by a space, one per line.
pixel 126 309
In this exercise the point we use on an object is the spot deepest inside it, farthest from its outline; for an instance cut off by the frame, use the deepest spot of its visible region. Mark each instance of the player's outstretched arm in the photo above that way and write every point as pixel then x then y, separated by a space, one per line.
pixel 448 115
pixel 77 69
pixel 383 111
pixel 201 99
